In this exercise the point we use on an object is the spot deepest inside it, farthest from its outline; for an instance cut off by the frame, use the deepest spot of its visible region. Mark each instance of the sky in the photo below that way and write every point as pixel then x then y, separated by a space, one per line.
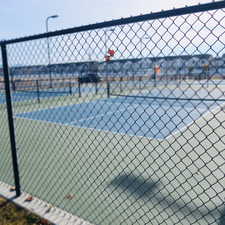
pixel 27 17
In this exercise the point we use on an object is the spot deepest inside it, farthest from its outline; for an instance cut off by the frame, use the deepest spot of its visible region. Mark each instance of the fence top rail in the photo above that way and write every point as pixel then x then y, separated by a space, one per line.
pixel 123 21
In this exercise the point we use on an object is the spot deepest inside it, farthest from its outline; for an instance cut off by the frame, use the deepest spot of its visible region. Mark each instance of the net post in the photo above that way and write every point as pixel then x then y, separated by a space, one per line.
pixel 79 88
pixel 108 88
pixel 96 88
pixel 70 86
pixel 154 79
pixel 139 78
pixel 38 91
pixel 121 80
pixel 10 119
pixel 156 71
pixel 13 85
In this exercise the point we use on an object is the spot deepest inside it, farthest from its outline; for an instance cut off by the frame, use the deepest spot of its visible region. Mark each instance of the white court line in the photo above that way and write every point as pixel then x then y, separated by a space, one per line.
pixel 96 116
pixel 194 121
pixel 70 124
pixel 43 121
pixel 179 130
pixel 90 128
pixel 23 114
pixel 116 111
pixel 103 114
pixel 84 127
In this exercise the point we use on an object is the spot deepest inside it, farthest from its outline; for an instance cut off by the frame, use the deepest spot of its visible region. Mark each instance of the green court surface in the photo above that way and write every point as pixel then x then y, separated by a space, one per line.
pixel 174 180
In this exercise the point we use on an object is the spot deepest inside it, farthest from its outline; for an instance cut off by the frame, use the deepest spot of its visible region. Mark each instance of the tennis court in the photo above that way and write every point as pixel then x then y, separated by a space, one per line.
pixel 141 121
pixel 137 114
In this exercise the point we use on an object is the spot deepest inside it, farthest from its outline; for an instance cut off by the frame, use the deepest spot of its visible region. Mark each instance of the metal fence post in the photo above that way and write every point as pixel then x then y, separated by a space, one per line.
pixel 108 89
pixel 38 91
pixel 10 119
pixel 79 91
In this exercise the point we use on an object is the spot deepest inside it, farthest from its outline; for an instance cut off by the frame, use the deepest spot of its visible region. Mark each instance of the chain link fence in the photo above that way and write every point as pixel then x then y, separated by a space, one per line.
pixel 124 122
pixel 6 171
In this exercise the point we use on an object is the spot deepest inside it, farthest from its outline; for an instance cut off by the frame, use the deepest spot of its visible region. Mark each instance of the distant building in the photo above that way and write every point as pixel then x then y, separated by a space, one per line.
pixel 171 67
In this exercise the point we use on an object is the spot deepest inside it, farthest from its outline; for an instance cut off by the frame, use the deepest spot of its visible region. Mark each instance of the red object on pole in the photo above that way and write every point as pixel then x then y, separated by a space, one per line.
pixel 111 52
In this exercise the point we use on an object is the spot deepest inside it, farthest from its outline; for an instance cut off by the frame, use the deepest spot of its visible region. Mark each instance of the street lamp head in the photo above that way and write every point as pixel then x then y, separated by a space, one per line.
pixel 47 20
pixel 54 16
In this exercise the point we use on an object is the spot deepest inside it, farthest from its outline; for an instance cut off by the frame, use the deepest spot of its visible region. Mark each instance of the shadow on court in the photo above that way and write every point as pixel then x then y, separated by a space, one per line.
pixel 137 186
pixel 222 218
pixel 150 190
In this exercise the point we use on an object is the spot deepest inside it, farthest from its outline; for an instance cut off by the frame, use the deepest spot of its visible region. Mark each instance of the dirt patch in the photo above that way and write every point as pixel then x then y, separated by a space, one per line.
pixel 12 214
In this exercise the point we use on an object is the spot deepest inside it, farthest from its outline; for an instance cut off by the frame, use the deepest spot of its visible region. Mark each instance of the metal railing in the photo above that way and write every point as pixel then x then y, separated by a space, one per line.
pixel 129 127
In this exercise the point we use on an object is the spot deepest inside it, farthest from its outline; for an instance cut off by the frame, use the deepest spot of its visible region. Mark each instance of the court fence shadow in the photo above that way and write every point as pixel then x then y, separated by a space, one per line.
pixel 150 191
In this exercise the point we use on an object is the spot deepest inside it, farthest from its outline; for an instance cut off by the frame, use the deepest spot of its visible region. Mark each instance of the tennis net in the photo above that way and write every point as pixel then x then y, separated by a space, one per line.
pixel 42 86
pixel 187 90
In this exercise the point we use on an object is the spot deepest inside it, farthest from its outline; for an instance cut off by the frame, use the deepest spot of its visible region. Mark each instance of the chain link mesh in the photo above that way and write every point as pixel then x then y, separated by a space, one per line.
pixel 124 124
pixel 5 154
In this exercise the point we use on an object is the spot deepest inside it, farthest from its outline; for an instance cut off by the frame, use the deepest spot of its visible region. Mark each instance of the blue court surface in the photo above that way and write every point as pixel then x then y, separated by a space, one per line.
pixel 123 115
pixel 28 96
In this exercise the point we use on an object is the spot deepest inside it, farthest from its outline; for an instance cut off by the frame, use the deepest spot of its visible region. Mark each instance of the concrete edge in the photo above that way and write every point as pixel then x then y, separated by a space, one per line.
pixel 41 208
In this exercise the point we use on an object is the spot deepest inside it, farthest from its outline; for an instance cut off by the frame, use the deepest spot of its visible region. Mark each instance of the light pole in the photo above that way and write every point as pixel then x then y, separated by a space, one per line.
pixel 141 42
pixel 48 49
pixel 143 38
pixel 105 34
pixel 105 45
